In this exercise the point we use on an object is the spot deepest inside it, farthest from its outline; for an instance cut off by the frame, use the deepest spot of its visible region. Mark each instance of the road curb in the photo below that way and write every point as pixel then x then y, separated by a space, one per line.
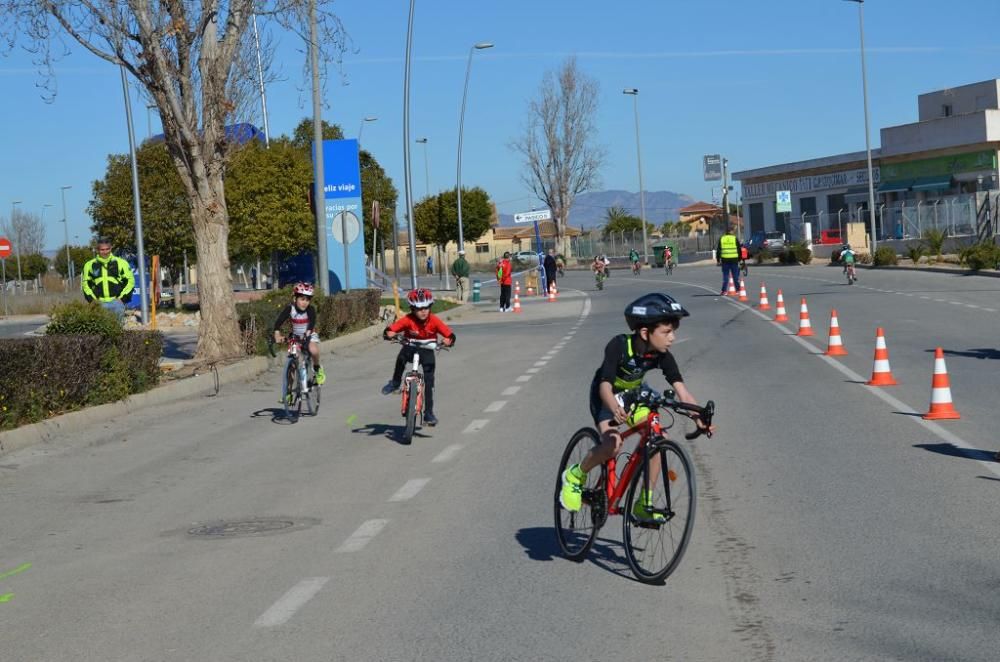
pixel 934 270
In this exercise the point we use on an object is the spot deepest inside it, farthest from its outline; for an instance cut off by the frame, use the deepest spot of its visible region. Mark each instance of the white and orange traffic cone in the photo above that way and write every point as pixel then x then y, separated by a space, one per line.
pixel 764 304
pixel 780 314
pixel 555 289
pixel 941 405
pixel 743 291
pixel 517 302
pixel 805 326
pixel 731 292
pixel 517 287
pixel 531 291
pixel 552 294
pixel 881 372
pixel 836 345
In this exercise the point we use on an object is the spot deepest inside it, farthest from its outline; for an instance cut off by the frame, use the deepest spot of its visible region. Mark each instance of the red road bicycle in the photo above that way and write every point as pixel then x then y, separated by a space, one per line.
pixel 654 543
pixel 412 387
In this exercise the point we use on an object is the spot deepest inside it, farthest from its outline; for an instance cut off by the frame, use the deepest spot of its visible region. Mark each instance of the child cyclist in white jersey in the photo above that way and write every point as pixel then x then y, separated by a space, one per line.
pixel 302 315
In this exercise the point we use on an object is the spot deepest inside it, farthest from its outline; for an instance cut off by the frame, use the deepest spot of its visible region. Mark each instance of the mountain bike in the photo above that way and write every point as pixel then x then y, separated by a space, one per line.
pixel 599 278
pixel 636 268
pixel 298 383
pixel 412 387
pixel 655 544
pixel 744 269
pixel 852 276
pixel 668 266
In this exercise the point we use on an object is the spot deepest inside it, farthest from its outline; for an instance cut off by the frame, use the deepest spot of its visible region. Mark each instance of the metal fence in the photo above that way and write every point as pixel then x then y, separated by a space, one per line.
pixel 618 244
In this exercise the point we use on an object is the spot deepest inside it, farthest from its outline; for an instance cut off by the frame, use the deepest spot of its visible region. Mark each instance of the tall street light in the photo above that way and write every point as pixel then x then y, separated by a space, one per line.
pixel 263 96
pixel 407 175
pixel 461 124
pixel 369 118
pixel 17 236
pixel 442 264
pixel 868 143
pixel 69 262
pixel 634 92
pixel 427 171
pixel 141 258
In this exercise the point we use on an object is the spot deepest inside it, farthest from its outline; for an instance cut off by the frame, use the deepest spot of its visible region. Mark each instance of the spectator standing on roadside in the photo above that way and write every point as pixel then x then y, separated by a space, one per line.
pixel 460 270
pixel 504 279
pixel 108 279
pixel 430 265
pixel 550 268
pixel 727 255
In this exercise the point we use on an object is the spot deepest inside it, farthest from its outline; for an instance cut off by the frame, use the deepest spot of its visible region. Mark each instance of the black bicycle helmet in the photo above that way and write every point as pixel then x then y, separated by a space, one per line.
pixel 649 309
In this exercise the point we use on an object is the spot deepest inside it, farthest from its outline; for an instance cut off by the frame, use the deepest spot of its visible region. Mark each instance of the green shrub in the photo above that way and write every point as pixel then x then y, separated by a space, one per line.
pixel 885 256
pixel 917 253
pixel 82 318
pixel 984 255
pixel 864 258
pixel 763 255
pixel 835 257
pixel 934 241
pixel 797 253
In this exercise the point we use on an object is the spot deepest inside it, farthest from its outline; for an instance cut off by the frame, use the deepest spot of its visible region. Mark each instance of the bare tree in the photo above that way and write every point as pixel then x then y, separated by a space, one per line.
pixel 25 231
pixel 558 147
pixel 195 60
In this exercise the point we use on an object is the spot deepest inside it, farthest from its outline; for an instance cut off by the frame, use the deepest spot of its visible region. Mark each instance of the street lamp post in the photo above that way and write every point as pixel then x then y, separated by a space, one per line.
pixel 263 96
pixel 442 267
pixel 634 92
pixel 17 237
pixel 461 125
pixel 141 258
pixel 361 129
pixel 407 175
pixel 868 144
pixel 69 262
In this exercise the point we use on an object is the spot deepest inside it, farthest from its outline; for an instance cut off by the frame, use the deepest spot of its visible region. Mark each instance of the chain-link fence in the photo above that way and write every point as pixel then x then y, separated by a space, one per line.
pixel 618 244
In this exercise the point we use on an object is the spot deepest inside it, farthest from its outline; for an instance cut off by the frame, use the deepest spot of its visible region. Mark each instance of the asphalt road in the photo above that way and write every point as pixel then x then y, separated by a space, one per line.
pixel 833 523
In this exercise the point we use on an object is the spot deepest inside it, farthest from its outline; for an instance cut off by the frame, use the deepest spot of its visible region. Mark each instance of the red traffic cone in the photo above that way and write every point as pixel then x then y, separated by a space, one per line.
pixel 552 294
pixel 881 373
pixel 836 345
pixel 805 326
pixel 517 287
pixel 731 292
pixel 517 302
pixel 941 405
pixel 743 291
pixel 764 304
pixel 531 291
pixel 780 315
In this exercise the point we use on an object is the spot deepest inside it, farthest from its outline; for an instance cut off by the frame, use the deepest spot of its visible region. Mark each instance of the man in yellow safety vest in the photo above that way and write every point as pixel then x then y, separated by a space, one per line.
pixel 108 279
pixel 727 255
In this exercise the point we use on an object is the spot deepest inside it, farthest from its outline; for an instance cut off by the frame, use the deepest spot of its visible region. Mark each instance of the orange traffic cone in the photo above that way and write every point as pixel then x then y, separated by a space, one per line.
pixel 805 326
pixel 531 291
pixel 731 292
pixel 764 304
pixel 555 290
pixel 941 405
pixel 743 291
pixel 517 302
pixel 881 373
pixel 836 345
pixel 780 315
pixel 517 287
pixel 552 294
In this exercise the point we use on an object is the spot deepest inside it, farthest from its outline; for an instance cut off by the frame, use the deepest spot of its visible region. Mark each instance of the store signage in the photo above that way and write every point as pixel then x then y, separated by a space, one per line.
pixel 833 180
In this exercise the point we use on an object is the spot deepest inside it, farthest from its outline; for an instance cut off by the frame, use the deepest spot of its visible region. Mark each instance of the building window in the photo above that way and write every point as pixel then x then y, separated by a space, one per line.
pixel 807 206
pixel 482 249
pixel 757 217
pixel 835 203
pixel 946 110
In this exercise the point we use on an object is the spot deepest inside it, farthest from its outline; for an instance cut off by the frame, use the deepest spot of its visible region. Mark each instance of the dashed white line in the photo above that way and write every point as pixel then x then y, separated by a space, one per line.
pixel 569 337
pixel 290 602
pixel 523 378
pixel 364 534
pixel 510 390
pixel 539 364
pixel 448 453
pixel 971 305
pixel 532 371
pixel 475 426
pixel 495 406
pixel 991 310
pixel 409 489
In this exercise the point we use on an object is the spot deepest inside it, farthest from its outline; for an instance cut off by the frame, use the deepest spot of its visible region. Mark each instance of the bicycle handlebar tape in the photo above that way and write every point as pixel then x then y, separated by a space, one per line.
pixel 941 404
pixel 743 291
pixel 780 314
pixel 805 326
pixel 881 372
pixel 731 290
pixel 764 304
pixel 836 345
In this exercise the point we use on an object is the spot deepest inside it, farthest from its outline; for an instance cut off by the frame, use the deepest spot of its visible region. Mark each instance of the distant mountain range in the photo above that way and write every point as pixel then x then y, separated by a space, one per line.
pixel 590 208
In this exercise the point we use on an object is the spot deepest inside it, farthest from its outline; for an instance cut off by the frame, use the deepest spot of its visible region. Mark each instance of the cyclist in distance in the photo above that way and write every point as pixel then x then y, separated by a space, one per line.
pixel 653 319
pixel 420 325
pixel 303 318
pixel 668 256
pixel 633 258
pixel 847 256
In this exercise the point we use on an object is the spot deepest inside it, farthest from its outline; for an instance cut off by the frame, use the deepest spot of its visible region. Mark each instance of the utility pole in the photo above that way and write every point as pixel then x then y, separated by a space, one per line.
pixel 319 194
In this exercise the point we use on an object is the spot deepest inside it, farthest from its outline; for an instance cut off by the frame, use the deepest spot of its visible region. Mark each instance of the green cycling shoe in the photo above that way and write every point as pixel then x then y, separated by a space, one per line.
pixel 571 494
pixel 320 377
pixel 643 506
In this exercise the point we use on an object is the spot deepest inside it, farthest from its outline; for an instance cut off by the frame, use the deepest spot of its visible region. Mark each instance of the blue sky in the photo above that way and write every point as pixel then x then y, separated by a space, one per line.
pixel 761 82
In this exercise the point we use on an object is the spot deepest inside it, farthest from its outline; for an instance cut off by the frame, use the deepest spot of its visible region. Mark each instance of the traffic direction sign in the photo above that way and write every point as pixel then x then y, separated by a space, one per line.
pixel 783 202
pixel 532 216
pixel 5 248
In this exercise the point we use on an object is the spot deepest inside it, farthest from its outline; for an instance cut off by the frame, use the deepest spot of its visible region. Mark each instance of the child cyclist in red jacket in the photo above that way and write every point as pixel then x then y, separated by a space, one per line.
pixel 420 326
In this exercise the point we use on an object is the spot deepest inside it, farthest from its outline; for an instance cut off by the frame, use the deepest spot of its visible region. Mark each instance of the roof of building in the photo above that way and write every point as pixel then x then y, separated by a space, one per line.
pixel 700 207
pixel 527 231
pixel 809 164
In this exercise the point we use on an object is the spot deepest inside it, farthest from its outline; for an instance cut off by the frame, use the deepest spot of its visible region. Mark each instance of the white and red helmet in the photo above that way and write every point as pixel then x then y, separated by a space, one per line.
pixel 303 290
pixel 420 298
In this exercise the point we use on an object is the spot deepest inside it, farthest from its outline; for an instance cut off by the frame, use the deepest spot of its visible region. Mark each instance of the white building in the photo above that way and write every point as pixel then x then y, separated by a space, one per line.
pixel 929 173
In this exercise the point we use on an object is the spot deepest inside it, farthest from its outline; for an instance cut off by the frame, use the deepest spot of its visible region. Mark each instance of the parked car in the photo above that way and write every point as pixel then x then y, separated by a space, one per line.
pixel 773 241
pixel 529 258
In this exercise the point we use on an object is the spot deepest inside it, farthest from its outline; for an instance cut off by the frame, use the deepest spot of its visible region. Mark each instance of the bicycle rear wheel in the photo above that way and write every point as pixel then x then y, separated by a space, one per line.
pixel 654 547
pixel 411 411
pixel 577 531
pixel 292 397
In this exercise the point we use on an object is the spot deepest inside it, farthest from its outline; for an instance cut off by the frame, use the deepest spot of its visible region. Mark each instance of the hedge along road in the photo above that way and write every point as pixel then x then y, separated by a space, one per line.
pixel 814 539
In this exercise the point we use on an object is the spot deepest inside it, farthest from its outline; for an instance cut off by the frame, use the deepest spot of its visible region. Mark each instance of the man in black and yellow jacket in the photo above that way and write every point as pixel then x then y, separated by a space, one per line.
pixel 727 256
pixel 108 279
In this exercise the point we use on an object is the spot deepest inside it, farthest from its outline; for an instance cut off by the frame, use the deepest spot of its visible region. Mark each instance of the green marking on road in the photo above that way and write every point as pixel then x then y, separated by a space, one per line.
pixel 6 597
pixel 351 419
pixel 20 568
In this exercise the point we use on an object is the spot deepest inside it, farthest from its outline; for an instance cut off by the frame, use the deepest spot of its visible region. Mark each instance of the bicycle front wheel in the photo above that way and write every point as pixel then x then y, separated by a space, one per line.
pixel 292 397
pixel 577 531
pixel 411 411
pixel 657 529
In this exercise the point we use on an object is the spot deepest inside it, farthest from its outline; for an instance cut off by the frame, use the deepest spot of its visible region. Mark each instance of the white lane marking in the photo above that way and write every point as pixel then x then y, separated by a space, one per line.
pixel 409 489
pixel 523 378
pixel 550 354
pixel 494 406
pixel 539 364
pixel 448 453
pixel 510 390
pixel 956 303
pixel 569 337
pixel 972 305
pixel 925 298
pixel 475 426
pixel 532 371
pixel 364 534
pixel 586 307
pixel 291 602
pixel 991 310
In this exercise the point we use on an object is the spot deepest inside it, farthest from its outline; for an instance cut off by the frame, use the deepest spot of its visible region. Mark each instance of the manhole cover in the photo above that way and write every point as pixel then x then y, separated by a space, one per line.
pixel 255 526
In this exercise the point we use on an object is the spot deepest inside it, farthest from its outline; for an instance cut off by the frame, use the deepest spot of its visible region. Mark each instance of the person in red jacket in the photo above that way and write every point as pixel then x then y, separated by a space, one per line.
pixel 421 329
pixel 504 279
